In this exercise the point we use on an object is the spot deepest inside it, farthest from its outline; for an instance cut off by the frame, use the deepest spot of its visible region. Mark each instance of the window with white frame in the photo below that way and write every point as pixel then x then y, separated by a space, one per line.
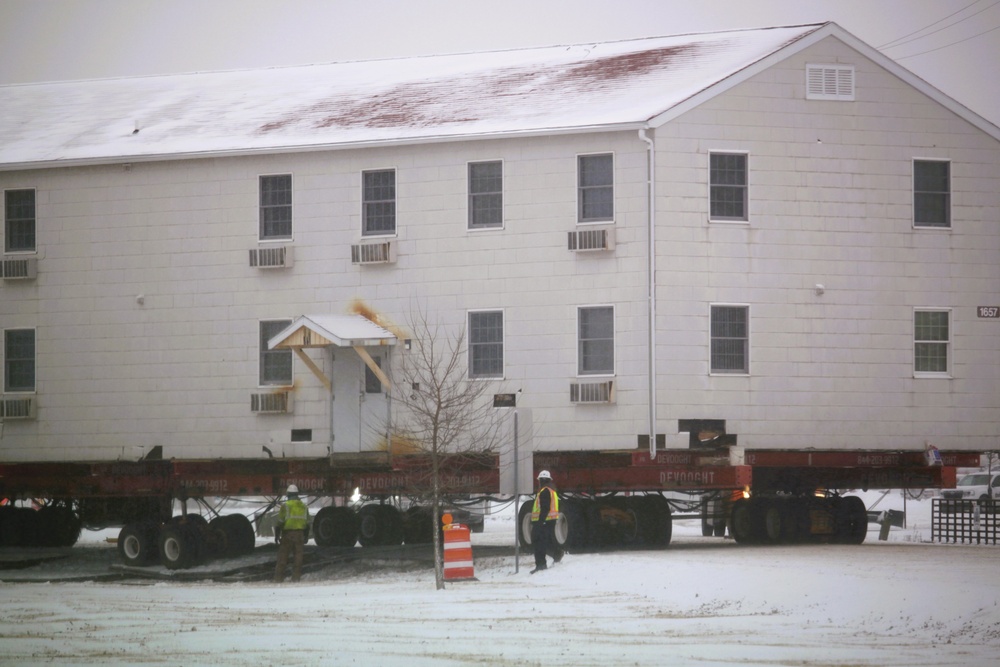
pixel 378 201
pixel 486 344
pixel 275 365
pixel 19 220
pixel 19 360
pixel 730 334
pixel 728 190
pixel 276 207
pixel 931 341
pixel 931 193
pixel 596 340
pixel 485 194
pixel 596 188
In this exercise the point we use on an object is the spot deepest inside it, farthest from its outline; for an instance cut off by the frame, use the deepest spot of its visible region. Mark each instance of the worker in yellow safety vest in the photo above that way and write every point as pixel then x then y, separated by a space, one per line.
pixel 544 515
pixel 290 533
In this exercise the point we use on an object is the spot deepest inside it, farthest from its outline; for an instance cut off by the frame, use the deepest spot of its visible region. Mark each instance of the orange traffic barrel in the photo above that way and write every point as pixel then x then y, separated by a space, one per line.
pixel 457 552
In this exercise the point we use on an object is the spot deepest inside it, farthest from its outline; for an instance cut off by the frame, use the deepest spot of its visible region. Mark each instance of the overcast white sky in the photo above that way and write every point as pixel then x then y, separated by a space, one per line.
pixel 952 44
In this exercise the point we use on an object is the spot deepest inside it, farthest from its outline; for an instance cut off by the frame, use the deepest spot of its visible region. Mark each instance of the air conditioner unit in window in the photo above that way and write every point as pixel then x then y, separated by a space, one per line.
pixel 380 252
pixel 271 403
pixel 17 408
pixel 592 392
pixel 19 268
pixel 275 257
pixel 583 240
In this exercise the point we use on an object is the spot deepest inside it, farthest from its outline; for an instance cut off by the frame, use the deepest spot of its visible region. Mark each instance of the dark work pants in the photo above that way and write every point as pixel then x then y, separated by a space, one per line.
pixel 292 544
pixel 542 540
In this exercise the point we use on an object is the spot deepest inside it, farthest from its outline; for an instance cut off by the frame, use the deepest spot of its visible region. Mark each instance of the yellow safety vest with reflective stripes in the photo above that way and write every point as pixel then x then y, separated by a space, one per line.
pixel 553 505
pixel 294 515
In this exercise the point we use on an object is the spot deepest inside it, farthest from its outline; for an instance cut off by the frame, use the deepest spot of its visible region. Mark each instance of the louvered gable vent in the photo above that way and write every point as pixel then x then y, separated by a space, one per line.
pixel 830 82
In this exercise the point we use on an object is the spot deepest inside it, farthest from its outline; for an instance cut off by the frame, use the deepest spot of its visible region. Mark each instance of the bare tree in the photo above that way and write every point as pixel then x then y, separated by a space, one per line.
pixel 442 414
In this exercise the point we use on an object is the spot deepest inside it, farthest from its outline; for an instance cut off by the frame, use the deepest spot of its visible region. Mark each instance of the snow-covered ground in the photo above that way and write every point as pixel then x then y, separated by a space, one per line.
pixel 703 601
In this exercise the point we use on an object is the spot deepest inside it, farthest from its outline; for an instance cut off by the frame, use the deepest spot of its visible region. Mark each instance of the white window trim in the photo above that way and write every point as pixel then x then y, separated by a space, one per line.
pixel 614 188
pixel 839 69
pixel 913 195
pixel 614 345
pixel 708 187
pixel 503 197
pixel 714 373
pixel 361 204
pixel 468 344
pixel 945 375
pixel 275 239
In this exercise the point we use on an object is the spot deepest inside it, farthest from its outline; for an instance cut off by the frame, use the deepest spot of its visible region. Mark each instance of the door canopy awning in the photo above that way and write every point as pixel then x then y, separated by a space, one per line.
pixel 326 330
pixel 355 331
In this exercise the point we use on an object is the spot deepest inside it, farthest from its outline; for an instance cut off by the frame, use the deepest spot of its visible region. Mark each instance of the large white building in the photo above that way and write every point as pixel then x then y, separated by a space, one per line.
pixel 794 233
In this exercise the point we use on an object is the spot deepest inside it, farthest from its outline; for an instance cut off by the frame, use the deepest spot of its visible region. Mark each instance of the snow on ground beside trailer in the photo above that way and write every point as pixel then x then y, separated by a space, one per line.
pixel 702 601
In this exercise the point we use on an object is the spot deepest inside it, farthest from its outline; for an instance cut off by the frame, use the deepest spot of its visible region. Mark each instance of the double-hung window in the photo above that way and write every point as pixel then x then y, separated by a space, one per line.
pixel 596 188
pixel 730 337
pixel 485 195
pixel 275 365
pixel 931 342
pixel 596 340
pixel 486 344
pixel 378 202
pixel 19 220
pixel 728 189
pixel 19 360
pixel 931 193
pixel 276 207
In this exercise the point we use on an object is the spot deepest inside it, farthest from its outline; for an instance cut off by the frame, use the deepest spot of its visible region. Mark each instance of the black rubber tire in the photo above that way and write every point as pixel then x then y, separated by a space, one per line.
pixel 379 525
pixel 240 537
pixel 216 542
pixel 64 525
pixel 418 528
pixel 137 543
pixel 576 525
pixel 707 527
pixel 660 526
pixel 11 534
pixel 851 520
pixel 179 546
pixel 524 523
pixel 745 522
pixel 336 527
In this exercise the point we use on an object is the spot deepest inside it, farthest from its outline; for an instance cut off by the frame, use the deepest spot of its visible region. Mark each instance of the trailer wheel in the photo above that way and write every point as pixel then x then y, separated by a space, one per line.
pixel 418 527
pixel 137 543
pixel 379 525
pixel 745 521
pixel 659 528
pixel 574 526
pixel 60 526
pixel 240 538
pixel 851 520
pixel 524 523
pixel 10 527
pixel 179 546
pixel 336 527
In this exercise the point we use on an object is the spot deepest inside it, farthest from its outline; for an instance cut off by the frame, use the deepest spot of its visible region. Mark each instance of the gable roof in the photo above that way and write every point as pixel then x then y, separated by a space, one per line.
pixel 338 330
pixel 614 85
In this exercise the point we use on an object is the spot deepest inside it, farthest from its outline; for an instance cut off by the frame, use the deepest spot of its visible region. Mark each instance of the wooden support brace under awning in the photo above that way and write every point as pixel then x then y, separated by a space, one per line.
pixel 311 365
pixel 373 367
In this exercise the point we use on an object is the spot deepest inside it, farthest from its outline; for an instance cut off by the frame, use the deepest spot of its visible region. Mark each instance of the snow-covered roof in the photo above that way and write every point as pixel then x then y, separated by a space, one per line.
pixel 579 88
pixel 340 330
pixel 560 88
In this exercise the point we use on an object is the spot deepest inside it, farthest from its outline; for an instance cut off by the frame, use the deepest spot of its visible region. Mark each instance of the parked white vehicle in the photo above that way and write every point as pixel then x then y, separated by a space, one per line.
pixel 975 486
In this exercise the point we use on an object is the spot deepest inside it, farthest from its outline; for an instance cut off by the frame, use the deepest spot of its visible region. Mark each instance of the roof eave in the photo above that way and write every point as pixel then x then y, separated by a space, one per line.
pixel 319 147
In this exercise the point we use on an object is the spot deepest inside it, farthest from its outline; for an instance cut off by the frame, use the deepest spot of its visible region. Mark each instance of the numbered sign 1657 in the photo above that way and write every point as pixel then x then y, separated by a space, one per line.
pixel 989 311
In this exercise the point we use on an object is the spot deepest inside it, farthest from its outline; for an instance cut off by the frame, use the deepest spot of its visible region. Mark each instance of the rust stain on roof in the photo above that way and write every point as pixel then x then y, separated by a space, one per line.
pixel 437 102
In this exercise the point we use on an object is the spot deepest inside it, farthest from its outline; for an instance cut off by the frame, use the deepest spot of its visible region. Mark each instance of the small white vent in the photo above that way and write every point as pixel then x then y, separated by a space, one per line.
pixel 17 408
pixel 19 268
pixel 275 257
pixel 830 82
pixel 382 252
pixel 583 240
pixel 271 403
pixel 592 392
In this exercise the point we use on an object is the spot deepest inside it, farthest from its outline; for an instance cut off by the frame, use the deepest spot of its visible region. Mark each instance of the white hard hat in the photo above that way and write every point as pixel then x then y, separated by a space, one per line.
pixel 544 475
pixel 292 489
